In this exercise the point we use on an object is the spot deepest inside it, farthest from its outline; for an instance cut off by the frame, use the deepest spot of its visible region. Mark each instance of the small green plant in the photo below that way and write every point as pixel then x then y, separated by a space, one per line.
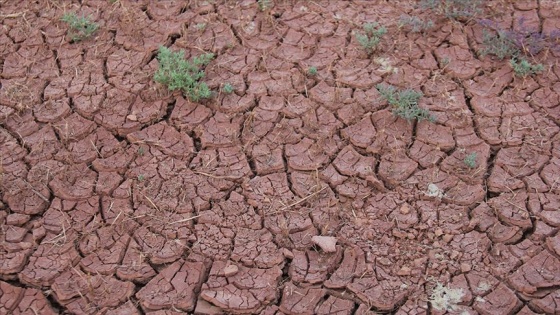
pixel 177 73
pixel 264 4
pixel 415 23
pixel 499 44
pixel 200 26
pixel 312 71
pixel 141 178
pixel 140 151
pixel 371 36
pixel 405 103
pixel 523 68
pixel 445 299
pixel 453 9
pixel 228 88
pixel 79 27
pixel 470 160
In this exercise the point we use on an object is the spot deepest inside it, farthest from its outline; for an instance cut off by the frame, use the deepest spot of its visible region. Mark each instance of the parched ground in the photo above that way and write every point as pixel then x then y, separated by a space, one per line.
pixel 119 197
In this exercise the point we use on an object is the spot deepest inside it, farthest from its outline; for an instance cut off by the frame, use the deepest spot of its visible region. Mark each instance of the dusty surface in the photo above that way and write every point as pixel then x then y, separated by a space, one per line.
pixel 296 194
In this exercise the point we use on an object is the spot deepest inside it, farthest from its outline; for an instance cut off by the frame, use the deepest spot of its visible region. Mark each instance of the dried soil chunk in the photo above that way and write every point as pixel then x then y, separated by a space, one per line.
pixel 425 155
pixel 247 291
pixel 501 181
pixel 270 192
pixel 127 308
pixel 360 134
pixel 539 273
pixel 436 135
pixel 15 234
pixel 186 115
pixel 548 304
pixel 220 130
pixel 48 262
pixel 355 74
pixel 501 300
pixel 472 246
pixel 510 208
pixel 75 182
pixel 13 259
pixel 268 158
pixel 158 248
pixel 545 206
pixel 134 266
pixel 300 300
pixel 332 98
pixel 384 295
pixel 392 133
pixel 326 243
pixel 10 150
pixel 42 145
pixel 312 267
pixel 229 163
pixel 10 296
pixel 396 168
pixel 461 63
pixel 166 139
pixel 106 259
pixel 550 173
pixel 175 287
pixel 232 213
pixel 335 306
pixel 33 301
pixel 307 155
pixel 291 229
pixel 346 271
pixel 256 248
pixel 351 163
pixel 213 242
pixel 114 111
pixel 83 293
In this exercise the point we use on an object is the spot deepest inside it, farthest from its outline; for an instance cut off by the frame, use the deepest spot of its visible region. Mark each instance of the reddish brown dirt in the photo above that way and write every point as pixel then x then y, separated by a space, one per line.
pixel 296 193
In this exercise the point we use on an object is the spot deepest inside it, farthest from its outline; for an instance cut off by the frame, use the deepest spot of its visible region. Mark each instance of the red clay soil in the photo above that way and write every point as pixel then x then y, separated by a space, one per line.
pixel 298 193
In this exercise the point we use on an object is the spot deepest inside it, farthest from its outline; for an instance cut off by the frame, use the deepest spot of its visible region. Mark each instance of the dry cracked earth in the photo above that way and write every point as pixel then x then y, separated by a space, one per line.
pixel 120 197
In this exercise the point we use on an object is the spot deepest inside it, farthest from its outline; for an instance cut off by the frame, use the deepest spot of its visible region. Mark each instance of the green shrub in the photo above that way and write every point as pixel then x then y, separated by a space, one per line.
pixel 228 88
pixel 177 73
pixel 524 68
pixel 470 160
pixel 371 36
pixel 453 9
pixel 79 28
pixel 499 44
pixel 415 23
pixel 312 71
pixel 405 103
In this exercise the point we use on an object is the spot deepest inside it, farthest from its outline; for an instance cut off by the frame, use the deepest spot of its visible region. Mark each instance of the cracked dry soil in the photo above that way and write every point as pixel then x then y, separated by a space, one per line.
pixel 120 197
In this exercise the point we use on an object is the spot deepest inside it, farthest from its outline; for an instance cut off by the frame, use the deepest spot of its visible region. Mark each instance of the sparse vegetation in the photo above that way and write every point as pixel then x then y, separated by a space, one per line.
pixel 470 160
pixel 512 43
pixel 371 36
pixel 312 71
pixel 445 299
pixel 200 26
pixel 453 9
pixel 498 44
pixel 228 88
pixel 415 23
pixel 79 27
pixel 523 68
pixel 177 73
pixel 405 103
pixel 264 4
